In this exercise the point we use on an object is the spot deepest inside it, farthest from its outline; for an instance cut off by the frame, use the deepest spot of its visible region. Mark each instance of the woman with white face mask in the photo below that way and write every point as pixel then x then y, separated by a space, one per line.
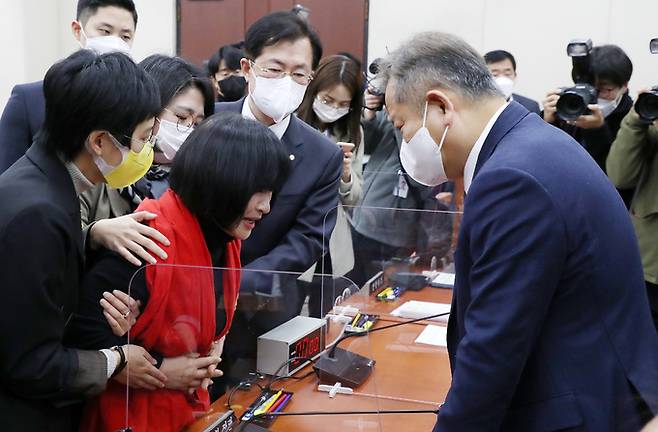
pixel 186 99
pixel 332 105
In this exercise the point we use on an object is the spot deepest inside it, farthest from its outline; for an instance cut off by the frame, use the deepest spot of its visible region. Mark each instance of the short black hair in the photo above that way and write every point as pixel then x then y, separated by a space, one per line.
pixel 224 161
pixel 87 8
pixel 231 55
pixel 610 63
pixel 498 56
pixel 173 75
pixel 280 26
pixel 87 92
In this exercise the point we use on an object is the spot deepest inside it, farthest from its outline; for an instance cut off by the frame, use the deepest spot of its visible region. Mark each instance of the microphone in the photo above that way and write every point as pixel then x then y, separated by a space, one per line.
pixel 351 369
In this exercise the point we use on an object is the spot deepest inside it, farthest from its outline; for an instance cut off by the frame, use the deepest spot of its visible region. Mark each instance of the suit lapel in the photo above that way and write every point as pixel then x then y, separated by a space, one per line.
pixel 60 181
pixel 509 118
pixel 292 138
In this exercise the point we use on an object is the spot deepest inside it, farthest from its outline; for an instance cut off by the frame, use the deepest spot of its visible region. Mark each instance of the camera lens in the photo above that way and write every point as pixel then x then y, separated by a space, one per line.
pixel 574 100
pixel 570 106
pixel 647 105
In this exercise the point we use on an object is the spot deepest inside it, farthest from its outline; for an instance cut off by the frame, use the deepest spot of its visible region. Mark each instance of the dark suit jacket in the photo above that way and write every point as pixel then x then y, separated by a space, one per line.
pixel 529 104
pixel 22 118
pixel 550 327
pixel 303 214
pixel 41 263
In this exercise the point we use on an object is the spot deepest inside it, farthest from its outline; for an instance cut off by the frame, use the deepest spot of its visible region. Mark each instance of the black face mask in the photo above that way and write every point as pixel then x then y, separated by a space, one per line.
pixel 233 88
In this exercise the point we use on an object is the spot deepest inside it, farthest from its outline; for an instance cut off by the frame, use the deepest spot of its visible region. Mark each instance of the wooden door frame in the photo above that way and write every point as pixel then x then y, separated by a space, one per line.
pixel 366 29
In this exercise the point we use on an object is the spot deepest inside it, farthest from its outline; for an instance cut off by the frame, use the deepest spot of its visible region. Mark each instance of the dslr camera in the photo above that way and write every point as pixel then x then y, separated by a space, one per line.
pixel 375 83
pixel 375 86
pixel 573 101
pixel 647 103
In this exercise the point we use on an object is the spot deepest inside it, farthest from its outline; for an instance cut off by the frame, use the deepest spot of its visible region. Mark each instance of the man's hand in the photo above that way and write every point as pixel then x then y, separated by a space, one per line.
pixel 120 310
pixel 128 237
pixel 593 120
pixel 372 104
pixel 549 105
pixel 186 373
pixel 140 372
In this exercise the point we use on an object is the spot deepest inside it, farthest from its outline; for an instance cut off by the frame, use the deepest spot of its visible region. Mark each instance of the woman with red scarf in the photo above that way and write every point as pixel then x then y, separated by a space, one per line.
pixel 221 183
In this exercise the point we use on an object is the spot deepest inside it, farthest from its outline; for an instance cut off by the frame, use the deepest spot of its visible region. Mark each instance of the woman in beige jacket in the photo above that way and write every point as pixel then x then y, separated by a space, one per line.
pixel 332 104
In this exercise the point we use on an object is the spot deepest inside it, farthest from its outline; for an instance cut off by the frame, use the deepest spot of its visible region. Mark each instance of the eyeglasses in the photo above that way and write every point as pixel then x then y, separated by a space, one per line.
pixel 149 143
pixel 300 78
pixel 184 122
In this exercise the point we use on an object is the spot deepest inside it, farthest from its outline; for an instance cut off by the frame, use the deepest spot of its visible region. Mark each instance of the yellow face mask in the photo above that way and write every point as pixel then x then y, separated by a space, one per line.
pixel 133 165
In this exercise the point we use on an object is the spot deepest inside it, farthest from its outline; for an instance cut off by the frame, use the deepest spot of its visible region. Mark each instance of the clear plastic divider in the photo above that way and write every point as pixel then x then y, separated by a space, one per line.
pixel 281 359
pixel 404 268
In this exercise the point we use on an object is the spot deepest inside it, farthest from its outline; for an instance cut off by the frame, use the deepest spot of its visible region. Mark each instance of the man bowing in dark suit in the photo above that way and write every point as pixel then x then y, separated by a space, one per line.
pixel 550 326
pixel 282 53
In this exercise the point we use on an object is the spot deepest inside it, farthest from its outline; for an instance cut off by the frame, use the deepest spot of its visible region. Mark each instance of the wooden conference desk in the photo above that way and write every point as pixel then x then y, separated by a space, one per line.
pixel 403 370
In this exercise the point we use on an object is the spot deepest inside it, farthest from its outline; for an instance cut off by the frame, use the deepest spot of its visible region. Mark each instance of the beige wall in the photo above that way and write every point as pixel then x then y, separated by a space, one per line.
pixel 37 33
pixel 535 31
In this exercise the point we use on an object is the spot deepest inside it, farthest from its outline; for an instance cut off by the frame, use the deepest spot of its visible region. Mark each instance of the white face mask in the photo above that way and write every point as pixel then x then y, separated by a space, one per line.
pixel 104 167
pixel 169 139
pixel 506 85
pixel 106 44
pixel 328 114
pixel 421 157
pixel 277 98
pixel 608 106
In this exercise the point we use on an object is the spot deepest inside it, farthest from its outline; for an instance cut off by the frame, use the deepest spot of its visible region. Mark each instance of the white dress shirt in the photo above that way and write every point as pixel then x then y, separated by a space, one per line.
pixel 278 128
pixel 469 168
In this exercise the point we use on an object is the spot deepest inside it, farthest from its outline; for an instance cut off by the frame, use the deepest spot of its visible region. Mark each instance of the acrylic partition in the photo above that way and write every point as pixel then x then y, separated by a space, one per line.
pixel 280 360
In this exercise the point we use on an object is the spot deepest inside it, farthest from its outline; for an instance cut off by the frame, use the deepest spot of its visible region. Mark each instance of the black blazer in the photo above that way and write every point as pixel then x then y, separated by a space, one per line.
pixel 529 104
pixel 303 213
pixel 41 262
pixel 21 120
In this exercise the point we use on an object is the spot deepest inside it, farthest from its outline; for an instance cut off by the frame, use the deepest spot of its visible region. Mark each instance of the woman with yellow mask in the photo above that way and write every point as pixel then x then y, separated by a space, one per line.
pixel 186 98
pixel 100 111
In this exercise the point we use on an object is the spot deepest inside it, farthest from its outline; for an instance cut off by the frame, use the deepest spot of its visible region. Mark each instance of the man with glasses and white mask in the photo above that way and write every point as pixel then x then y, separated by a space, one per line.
pixel 544 333
pixel 282 52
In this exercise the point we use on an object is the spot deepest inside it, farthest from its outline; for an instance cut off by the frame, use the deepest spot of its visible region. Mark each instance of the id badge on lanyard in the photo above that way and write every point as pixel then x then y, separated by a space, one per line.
pixel 402 187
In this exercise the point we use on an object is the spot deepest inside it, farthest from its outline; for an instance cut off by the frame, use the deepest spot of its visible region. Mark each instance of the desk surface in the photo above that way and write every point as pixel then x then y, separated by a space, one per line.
pixel 406 376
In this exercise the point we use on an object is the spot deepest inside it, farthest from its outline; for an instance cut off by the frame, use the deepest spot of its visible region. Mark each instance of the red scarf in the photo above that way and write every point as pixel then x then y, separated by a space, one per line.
pixel 178 319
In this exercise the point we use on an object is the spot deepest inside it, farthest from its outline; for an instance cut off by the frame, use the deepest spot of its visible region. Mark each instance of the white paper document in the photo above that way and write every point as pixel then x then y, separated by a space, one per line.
pixel 414 309
pixel 433 335
pixel 445 280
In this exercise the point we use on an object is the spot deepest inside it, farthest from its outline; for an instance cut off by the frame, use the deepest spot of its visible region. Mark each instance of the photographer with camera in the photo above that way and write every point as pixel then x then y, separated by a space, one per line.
pixel 632 163
pixel 602 83
pixel 379 235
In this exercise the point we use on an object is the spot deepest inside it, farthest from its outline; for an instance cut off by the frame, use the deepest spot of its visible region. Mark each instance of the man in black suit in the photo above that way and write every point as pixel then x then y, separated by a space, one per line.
pixel 282 52
pixel 83 142
pixel 502 66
